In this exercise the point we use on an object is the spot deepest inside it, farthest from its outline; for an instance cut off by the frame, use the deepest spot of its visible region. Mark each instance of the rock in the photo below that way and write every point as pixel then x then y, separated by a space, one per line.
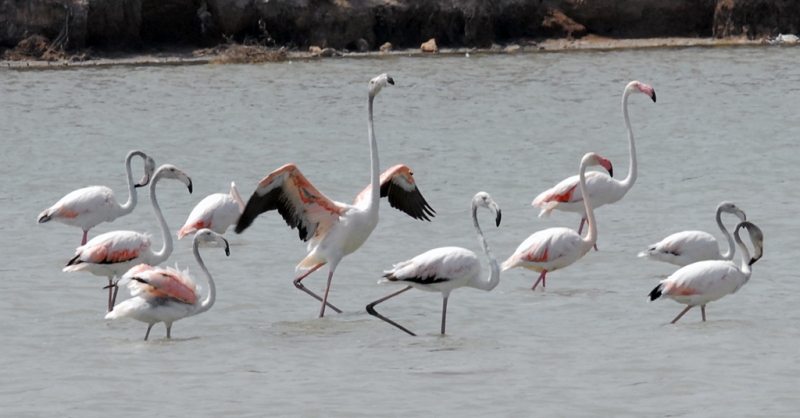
pixel 329 52
pixel 362 45
pixel 114 22
pixel 512 49
pixel 170 22
pixel 755 18
pixel 557 24
pixel 315 49
pixel 429 46
pixel 233 16
pixel 386 47
pixel 20 19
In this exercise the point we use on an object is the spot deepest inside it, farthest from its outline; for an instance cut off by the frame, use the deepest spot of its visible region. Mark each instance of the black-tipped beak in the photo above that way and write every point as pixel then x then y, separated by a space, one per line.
pixel 227 248
pixel 138 185
pixel 752 261
pixel 497 219
pixel 654 96
pixel 610 170
pixel 390 80
pixel 190 187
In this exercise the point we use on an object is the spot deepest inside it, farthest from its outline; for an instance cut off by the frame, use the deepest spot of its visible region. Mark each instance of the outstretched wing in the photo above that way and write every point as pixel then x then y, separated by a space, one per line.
pixel 398 184
pixel 300 204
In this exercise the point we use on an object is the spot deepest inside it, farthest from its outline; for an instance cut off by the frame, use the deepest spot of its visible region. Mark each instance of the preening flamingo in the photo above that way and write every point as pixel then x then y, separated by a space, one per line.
pixel 446 268
pixel 602 188
pixel 113 253
pixel 167 295
pixel 335 229
pixel 93 205
pixel 555 248
pixel 216 212
pixel 687 247
pixel 707 281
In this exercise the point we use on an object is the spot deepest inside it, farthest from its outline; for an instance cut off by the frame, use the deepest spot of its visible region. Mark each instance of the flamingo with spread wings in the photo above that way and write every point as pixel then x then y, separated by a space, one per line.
pixel 334 229
pixel 216 212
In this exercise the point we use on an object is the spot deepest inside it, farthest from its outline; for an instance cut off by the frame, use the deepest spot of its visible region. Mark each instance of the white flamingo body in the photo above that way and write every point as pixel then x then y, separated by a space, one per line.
pixel 687 247
pixel 167 295
pixel 113 253
pixel 706 281
pixel 90 206
pixel 216 212
pixel 602 188
pixel 445 269
pixel 332 229
pixel 556 248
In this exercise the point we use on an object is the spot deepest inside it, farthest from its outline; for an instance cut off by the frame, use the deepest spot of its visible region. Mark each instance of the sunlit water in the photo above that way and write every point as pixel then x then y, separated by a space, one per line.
pixel 725 127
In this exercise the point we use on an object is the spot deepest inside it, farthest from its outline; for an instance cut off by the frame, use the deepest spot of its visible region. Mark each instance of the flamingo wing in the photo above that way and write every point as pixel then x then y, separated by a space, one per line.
pixel 568 190
pixel 159 282
pixel 397 183
pixel 111 248
pixel 702 282
pixel 84 207
pixel 684 248
pixel 216 212
pixel 546 246
pixel 436 266
pixel 300 204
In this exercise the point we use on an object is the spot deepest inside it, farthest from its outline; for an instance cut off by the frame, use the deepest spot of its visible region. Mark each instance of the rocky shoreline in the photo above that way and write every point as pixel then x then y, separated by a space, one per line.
pixel 97 32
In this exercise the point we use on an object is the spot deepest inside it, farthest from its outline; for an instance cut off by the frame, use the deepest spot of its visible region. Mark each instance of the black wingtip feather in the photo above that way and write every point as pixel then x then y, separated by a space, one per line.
pixel 74 260
pixel 656 293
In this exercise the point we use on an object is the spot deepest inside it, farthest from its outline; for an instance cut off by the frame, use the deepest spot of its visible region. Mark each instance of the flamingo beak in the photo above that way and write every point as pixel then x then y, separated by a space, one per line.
pixel 227 248
pixel 607 165
pixel 653 96
pixel 190 186
pixel 498 217
pixel 390 80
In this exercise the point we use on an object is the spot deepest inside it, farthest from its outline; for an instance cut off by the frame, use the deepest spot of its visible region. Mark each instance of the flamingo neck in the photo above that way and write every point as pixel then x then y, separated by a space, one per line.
pixel 375 164
pixel 132 194
pixel 728 255
pixel 166 249
pixel 212 289
pixel 494 276
pixel 591 237
pixel 745 256
pixel 630 180
pixel 236 197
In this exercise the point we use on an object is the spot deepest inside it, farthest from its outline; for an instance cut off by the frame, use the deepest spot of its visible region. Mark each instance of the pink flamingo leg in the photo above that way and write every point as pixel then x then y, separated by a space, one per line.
pixel 83 241
pixel 681 314
pixel 540 279
pixel 580 228
pixel 300 286
pixel 325 298
pixel 371 310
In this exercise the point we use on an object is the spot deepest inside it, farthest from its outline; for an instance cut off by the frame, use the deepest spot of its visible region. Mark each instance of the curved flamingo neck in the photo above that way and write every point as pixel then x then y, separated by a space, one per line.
pixel 375 164
pixel 630 180
pixel 236 197
pixel 133 196
pixel 494 277
pixel 591 237
pixel 161 256
pixel 212 289
pixel 728 255
pixel 745 255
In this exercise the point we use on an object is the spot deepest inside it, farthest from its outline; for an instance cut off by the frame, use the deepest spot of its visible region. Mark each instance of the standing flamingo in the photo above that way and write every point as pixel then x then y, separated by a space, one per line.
pixel 335 229
pixel 93 205
pixel 687 247
pixel 167 295
pixel 446 268
pixel 602 188
pixel 556 248
pixel 707 281
pixel 113 253
pixel 216 212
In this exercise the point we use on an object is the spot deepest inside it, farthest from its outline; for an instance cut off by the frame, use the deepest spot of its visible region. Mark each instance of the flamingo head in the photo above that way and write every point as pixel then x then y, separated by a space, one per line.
pixel 149 169
pixel 635 86
pixel 483 200
pixel 379 82
pixel 756 237
pixel 171 172
pixel 592 159
pixel 207 235
pixel 730 207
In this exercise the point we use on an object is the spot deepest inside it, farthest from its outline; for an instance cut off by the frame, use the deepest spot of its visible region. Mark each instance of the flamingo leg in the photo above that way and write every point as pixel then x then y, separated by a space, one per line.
pixel 580 228
pixel 703 310
pixel 85 232
pixel 300 286
pixel 110 293
pixel 371 311
pixel 444 311
pixel 114 298
pixel 147 334
pixel 169 329
pixel 595 247
pixel 681 314
pixel 540 279
pixel 325 298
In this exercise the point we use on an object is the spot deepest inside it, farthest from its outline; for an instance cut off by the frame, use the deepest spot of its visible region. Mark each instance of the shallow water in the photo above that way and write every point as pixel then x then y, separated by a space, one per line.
pixel 725 128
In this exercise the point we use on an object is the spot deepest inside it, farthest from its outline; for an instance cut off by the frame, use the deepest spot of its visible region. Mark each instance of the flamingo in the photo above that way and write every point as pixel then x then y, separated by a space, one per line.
pixel 707 281
pixel 113 253
pixel 335 229
pixel 556 248
pixel 93 205
pixel 446 268
pixel 216 212
pixel 687 247
pixel 167 295
pixel 603 188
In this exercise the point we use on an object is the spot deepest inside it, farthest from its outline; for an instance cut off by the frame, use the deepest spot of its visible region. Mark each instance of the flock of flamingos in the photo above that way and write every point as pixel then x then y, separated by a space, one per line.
pixel 334 229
